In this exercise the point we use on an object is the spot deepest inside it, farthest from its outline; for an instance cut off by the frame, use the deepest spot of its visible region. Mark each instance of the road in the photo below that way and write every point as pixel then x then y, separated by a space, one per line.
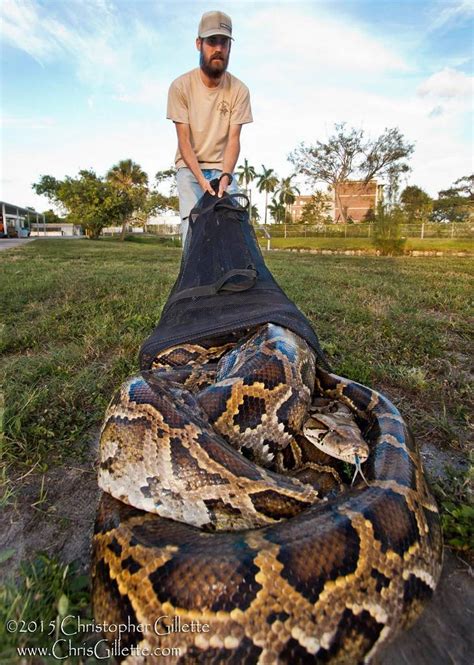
pixel 10 243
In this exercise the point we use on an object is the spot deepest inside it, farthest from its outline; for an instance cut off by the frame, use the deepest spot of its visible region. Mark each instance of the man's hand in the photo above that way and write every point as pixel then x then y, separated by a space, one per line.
pixel 224 182
pixel 206 186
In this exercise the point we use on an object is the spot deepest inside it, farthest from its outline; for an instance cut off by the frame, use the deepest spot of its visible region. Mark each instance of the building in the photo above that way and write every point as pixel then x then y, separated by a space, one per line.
pixel 15 221
pixel 354 198
pixel 296 209
pixel 61 230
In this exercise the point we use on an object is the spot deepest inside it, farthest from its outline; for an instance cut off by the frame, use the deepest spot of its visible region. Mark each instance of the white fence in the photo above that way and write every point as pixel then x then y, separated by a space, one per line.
pixel 365 230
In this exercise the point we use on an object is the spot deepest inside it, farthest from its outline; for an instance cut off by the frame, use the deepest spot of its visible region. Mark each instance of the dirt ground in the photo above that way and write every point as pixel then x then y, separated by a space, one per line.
pixel 62 525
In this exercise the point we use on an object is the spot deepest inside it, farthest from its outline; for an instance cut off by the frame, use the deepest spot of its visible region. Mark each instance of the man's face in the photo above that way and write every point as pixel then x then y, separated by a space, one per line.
pixel 214 56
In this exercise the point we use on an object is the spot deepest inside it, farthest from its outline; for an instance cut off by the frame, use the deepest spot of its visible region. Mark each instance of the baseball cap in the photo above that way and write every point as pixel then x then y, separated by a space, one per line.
pixel 215 23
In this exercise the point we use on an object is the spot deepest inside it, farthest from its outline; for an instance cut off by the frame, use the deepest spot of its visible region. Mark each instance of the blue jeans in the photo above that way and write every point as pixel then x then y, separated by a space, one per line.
pixel 189 193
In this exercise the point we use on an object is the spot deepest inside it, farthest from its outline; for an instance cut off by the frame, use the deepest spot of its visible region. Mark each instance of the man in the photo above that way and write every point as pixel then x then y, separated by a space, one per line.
pixel 208 106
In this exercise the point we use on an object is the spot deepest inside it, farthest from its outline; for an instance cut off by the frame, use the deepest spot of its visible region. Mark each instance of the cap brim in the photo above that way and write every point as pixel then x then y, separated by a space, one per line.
pixel 211 33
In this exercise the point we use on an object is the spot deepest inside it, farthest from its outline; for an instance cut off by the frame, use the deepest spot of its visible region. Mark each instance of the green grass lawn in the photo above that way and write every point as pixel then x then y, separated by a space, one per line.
pixel 446 245
pixel 76 313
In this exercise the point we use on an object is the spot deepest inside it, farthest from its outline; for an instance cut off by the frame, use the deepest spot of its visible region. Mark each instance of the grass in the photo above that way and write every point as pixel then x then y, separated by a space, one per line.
pixel 76 313
pixel 446 245
pixel 36 610
pixel 454 493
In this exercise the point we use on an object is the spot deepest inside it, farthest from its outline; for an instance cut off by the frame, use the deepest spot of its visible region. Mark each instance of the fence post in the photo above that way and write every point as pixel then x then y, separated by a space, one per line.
pixel 285 230
pixel 452 229
pixel 422 230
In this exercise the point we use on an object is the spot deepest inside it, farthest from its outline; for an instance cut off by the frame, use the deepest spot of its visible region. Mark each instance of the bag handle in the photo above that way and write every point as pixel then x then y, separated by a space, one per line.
pixel 222 284
pixel 221 203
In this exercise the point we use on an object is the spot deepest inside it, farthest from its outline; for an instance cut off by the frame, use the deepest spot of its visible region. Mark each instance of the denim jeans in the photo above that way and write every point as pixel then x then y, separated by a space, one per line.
pixel 190 192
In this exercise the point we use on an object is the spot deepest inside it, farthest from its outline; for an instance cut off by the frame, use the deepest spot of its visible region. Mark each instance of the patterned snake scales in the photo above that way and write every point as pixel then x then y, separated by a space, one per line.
pixel 248 551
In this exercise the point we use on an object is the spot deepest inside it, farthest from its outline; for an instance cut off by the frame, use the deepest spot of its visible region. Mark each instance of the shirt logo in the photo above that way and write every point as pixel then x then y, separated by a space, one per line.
pixel 223 107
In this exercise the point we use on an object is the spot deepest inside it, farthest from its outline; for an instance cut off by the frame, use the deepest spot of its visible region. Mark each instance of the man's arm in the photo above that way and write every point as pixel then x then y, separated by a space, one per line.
pixel 189 156
pixel 231 155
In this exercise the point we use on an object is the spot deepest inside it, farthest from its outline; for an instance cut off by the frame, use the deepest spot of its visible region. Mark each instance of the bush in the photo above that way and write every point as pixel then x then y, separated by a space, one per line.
pixel 387 236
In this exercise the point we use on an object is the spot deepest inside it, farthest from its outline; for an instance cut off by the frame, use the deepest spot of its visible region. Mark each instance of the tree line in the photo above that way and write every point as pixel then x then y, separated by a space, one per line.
pixel 124 196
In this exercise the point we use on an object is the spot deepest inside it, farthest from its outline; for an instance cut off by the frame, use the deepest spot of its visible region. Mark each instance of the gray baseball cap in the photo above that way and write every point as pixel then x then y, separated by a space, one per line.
pixel 215 23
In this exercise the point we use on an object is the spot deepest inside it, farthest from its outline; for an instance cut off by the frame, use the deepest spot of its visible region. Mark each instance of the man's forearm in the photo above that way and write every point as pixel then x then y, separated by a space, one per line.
pixel 190 159
pixel 231 154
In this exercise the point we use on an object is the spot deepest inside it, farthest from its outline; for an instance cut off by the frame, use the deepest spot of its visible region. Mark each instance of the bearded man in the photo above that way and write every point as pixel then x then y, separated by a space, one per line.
pixel 208 106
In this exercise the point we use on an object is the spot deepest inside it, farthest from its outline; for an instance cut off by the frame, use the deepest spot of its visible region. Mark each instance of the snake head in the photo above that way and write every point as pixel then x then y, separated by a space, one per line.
pixel 342 441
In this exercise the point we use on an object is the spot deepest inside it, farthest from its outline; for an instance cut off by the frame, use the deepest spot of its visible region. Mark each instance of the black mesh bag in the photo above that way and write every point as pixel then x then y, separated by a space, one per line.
pixel 223 284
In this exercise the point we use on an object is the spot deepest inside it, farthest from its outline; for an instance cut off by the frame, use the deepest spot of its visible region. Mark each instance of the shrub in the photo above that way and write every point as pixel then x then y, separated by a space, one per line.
pixel 387 236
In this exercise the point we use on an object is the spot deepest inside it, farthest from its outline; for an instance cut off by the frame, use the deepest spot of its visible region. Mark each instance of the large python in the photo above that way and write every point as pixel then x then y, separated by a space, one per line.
pixel 218 537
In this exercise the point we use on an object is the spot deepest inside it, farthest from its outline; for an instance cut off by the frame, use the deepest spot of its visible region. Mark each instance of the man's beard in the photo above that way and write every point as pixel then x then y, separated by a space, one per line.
pixel 213 68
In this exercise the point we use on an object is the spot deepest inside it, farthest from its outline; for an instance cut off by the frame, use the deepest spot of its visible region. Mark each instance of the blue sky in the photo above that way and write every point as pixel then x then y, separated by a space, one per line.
pixel 84 82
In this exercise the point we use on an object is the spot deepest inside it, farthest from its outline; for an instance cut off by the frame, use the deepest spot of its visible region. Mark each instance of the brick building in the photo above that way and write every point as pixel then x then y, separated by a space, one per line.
pixel 296 208
pixel 356 197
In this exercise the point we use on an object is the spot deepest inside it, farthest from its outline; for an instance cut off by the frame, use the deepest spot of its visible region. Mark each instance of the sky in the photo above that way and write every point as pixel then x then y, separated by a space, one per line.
pixel 84 82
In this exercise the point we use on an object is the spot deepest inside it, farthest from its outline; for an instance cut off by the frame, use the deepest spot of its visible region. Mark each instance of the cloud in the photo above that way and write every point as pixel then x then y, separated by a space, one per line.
pixel 447 84
pixel 105 47
pixel 306 69
pixel 21 28
pixel 280 125
pixel 455 11
pixel 312 40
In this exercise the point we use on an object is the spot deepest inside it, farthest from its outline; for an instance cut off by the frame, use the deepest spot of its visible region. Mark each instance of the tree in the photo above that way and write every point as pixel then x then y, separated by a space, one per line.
pixel 267 182
pixel 349 154
pixel 131 184
pixel 94 202
pixel 154 203
pixel 165 175
pixel 316 211
pixel 455 204
pixel 277 211
pixel 416 203
pixel 50 217
pixel 465 187
pixel 89 201
pixel 245 175
pixel 392 188
pixel 168 177
pixel 287 192
pixel 254 214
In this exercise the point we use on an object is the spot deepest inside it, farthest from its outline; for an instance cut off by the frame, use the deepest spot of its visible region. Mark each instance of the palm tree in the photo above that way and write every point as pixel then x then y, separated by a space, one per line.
pixel 245 174
pixel 287 192
pixel 267 182
pixel 277 210
pixel 254 214
pixel 130 181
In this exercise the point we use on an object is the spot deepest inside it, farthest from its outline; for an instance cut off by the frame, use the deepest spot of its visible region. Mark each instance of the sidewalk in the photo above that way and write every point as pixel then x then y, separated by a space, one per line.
pixel 10 243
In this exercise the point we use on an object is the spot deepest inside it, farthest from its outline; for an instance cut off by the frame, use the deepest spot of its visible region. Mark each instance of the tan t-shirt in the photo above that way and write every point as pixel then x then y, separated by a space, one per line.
pixel 209 112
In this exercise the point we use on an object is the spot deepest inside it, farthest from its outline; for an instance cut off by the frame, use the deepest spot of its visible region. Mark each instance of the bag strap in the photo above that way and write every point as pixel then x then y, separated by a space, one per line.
pixel 222 284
